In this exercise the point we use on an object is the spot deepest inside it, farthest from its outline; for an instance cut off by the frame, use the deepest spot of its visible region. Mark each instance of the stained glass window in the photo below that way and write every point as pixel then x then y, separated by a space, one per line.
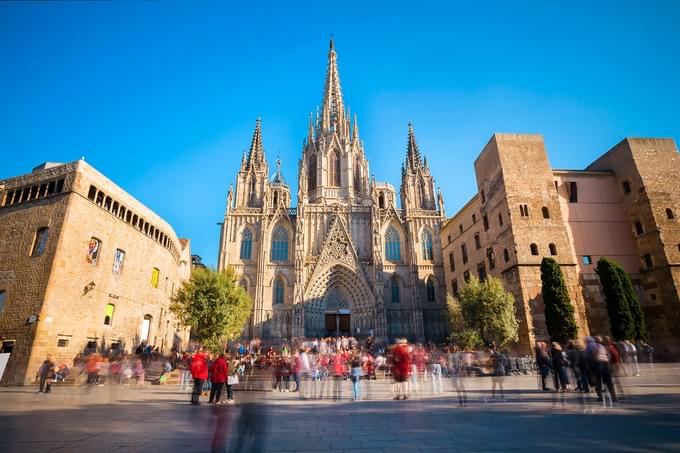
pixel 280 244
pixel 430 290
pixel 279 291
pixel 246 244
pixel 392 245
pixel 426 244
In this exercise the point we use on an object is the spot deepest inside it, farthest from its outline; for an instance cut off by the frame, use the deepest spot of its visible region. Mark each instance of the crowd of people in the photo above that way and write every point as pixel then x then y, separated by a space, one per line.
pixel 318 368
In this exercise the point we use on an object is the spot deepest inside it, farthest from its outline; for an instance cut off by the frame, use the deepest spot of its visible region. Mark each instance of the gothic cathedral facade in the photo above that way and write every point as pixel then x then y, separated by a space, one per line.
pixel 347 260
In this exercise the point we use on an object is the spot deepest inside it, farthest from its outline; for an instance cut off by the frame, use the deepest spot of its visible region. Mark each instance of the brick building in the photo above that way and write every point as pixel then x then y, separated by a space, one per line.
pixel 83 266
pixel 624 206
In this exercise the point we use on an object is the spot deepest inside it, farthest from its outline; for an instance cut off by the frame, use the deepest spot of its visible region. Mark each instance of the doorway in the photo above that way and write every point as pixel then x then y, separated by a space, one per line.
pixel 338 324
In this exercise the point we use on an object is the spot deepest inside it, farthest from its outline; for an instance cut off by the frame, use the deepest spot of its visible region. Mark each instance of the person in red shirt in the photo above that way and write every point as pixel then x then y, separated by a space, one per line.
pixel 401 368
pixel 219 373
pixel 199 371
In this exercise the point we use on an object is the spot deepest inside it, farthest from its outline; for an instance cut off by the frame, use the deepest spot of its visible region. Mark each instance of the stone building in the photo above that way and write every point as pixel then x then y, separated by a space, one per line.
pixel 83 266
pixel 623 206
pixel 347 259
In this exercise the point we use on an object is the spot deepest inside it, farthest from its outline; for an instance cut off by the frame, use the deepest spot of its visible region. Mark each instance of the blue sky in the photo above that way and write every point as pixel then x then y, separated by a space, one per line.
pixel 162 96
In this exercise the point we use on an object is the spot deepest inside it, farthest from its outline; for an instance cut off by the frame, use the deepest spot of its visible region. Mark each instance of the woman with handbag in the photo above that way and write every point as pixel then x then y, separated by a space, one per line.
pixel 232 380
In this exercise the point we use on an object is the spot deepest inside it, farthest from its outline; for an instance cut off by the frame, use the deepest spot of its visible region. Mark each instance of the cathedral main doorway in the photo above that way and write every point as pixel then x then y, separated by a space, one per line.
pixel 338 323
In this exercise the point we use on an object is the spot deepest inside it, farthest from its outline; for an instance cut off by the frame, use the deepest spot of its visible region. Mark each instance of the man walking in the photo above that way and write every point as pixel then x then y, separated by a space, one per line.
pixel 46 374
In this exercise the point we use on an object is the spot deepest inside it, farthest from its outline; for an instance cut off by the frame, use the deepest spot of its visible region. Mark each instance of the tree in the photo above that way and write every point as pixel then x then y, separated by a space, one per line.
pixel 461 334
pixel 559 312
pixel 639 327
pixel 489 310
pixel 616 299
pixel 625 313
pixel 214 305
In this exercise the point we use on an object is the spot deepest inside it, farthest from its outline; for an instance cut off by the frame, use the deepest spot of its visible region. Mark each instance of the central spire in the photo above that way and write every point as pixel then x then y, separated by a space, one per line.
pixel 332 109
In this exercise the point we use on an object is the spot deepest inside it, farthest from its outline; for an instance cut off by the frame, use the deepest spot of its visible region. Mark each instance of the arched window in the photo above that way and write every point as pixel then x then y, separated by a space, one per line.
pixel 246 244
pixel 546 213
pixel 669 214
pixel 334 169
pixel 395 297
pixel 430 290
pixel 381 201
pixel 553 249
pixel 426 244
pixel 506 255
pixel 251 196
pixel 392 245
pixel 280 244
pixel 108 314
pixel 534 249
pixel 244 284
pixel 311 172
pixel 279 291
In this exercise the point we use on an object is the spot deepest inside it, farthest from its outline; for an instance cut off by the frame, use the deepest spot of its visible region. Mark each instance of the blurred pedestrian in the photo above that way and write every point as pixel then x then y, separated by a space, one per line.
pixel 199 372
pixel 46 374
pixel 218 376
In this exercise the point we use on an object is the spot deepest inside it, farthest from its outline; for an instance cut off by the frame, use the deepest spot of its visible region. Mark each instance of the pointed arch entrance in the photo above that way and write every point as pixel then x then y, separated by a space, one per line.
pixel 338 302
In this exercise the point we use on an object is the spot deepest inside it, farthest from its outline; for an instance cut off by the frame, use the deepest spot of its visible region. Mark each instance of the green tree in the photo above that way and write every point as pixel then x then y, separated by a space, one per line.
pixel 639 326
pixel 559 312
pixel 489 310
pixel 623 306
pixel 616 299
pixel 214 305
pixel 461 335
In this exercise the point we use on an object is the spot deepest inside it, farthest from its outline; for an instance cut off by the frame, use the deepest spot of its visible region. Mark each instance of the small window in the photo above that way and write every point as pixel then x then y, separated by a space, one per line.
pixel 155 274
pixel 452 262
pixel 463 252
pixel 128 217
pixel 586 259
pixel 8 198
pixel 91 346
pixel 40 241
pixel 3 297
pixel 638 228
pixel 107 203
pixel 60 186
pixel 553 249
pixel 483 196
pixel 649 263
pixel 100 198
pixel 460 228
pixel 506 255
pixel 43 190
pixel 62 342
pixel 669 214
pixel 626 187
pixel 51 188
pixel 524 210
pixel 534 249
pixel 93 250
pixel 500 219
pixel 454 287
pixel 92 193
pixel 546 213
pixel 485 222
pixel 108 314
pixel 466 276
pixel 449 238
pixel 478 242
pixel 381 201
pixel 481 271
pixel 573 191
pixel 118 260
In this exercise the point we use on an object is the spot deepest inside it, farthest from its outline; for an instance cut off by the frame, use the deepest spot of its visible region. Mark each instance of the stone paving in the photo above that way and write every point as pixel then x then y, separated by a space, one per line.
pixel 158 419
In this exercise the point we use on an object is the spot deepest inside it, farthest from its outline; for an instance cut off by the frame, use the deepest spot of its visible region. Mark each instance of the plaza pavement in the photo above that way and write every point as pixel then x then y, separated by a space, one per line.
pixel 159 419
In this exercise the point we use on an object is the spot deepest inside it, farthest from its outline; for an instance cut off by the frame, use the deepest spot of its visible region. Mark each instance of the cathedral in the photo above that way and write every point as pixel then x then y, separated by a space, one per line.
pixel 348 260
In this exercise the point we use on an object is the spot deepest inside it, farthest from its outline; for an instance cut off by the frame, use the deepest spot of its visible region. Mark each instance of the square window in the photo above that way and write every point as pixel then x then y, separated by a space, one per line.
pixel 62 342
pixel 586 259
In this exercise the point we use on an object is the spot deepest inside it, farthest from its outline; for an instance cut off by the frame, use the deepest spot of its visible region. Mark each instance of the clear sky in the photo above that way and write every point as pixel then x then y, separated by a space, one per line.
pixel 162 97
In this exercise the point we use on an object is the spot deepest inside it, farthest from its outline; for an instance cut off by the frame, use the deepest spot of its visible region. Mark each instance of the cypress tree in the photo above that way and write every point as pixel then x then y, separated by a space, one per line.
pixel 616 298
pixel 639 327
pixel 559 312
